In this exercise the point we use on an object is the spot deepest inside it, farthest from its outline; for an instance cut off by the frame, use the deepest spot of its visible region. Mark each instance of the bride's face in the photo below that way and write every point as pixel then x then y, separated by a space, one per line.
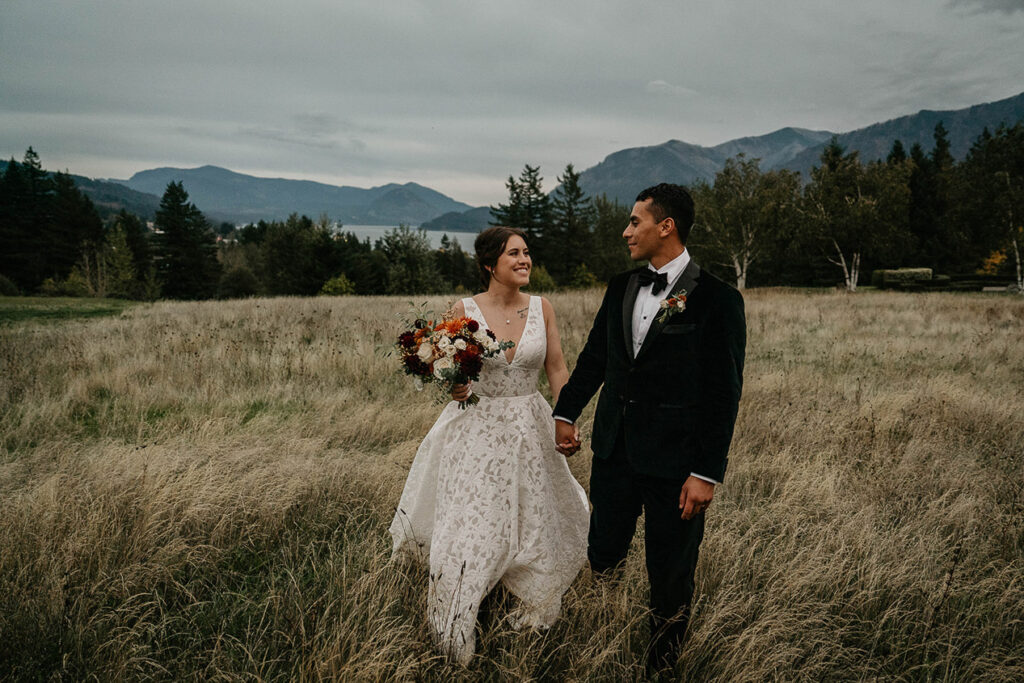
pixel 514 264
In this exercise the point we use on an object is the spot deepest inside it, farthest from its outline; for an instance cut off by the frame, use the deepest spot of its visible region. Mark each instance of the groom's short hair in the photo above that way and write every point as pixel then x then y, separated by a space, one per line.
pixel 671 201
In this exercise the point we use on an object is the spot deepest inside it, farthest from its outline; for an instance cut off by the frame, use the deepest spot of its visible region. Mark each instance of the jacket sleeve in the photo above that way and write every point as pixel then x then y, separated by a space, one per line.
pixel 722 356
pixel 588 375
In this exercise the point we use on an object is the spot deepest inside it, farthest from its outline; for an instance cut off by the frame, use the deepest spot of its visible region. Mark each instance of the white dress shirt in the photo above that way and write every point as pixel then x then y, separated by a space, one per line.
pixel 648 304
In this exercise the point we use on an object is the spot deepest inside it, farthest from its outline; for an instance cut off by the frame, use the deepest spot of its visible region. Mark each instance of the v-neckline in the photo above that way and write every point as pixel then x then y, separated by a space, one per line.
pixel 515 347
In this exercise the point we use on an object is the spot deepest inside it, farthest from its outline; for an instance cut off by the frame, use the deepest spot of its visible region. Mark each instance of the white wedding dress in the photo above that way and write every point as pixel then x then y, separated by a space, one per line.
pixel 489 499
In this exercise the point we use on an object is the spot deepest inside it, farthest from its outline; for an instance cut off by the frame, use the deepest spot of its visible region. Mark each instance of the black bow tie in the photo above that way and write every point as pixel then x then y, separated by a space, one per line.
pixel 658 280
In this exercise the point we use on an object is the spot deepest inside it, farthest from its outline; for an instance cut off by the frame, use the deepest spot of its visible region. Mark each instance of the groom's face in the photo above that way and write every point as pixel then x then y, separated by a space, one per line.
pixel 643 234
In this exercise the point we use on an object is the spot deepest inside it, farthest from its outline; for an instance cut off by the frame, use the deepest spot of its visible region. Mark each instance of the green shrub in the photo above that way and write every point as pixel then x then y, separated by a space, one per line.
pixel 238 283
pixel 75 285
pixel 541 280
pixel 582 278
pixel 338 286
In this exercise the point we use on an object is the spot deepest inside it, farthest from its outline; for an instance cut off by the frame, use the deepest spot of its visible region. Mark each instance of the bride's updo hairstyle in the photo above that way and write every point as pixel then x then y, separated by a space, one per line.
pixel 490 245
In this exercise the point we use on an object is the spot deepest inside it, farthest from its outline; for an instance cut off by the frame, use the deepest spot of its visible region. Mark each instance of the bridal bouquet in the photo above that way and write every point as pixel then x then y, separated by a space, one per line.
pixel 447 353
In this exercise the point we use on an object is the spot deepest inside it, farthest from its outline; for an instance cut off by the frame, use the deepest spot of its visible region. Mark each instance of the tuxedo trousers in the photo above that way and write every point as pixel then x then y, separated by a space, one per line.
pixel 619 494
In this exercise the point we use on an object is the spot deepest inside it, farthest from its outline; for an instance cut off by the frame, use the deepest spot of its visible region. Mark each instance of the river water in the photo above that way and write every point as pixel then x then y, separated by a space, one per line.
pixel 375 232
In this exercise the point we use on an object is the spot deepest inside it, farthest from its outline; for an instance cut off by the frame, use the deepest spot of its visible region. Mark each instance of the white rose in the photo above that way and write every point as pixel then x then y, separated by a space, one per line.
pixel 426 351
pixel 481 336
pixel 442 364
pixel 460 344
pixel 449 350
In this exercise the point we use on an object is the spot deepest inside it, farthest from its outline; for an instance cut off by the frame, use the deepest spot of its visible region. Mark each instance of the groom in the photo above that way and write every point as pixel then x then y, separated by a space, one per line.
pixel 671 386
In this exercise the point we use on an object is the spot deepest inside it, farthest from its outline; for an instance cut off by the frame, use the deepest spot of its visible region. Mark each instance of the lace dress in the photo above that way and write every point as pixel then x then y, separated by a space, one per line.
pixel 489 499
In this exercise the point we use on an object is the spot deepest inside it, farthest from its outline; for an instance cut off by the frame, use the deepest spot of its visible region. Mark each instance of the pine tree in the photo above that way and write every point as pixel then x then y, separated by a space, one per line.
pixel 570 240
pixel 186 257
pixel 897 154
pixel 74 227
pixel 529 209
pixel 609 255
pixel 120 269
pixel 138 239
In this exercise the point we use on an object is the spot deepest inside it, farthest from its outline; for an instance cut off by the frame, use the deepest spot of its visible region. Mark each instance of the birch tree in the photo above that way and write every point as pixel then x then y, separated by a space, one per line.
pixel 739 217
pixel 856 211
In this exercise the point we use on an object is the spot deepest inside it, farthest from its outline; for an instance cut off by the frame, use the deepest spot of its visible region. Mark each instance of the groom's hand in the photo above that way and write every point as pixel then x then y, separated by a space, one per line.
pixel 567 438
pixel 695 497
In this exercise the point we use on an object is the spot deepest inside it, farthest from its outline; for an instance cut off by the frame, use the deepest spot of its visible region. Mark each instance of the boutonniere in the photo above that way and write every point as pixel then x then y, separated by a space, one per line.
pixel 671 306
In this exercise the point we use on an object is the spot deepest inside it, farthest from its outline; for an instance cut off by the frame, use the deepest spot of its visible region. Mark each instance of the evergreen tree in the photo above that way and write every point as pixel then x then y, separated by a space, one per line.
pixel 929 185
pixel 608 255
pixel 410 264
pixel 987 214
pixel 120 267
pixel 941 156
pixel 298 256
pixel 45 223
pixel 74 228
pixel 138 239
pixel 186 249
pixel 529 209
pixel 897 154
pixel 455 266
pixel 29 193
pixel 510 214
pixel 570 237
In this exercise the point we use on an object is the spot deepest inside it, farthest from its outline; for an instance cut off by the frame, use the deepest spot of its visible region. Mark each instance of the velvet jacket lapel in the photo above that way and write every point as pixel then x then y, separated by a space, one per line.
pixel 687 281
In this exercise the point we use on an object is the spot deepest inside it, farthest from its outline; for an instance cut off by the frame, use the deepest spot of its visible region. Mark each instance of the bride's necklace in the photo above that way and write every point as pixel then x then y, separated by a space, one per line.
pixel 508 318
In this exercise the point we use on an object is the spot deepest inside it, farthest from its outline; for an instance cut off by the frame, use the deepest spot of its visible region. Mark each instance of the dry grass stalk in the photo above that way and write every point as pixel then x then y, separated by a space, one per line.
pixel 202 490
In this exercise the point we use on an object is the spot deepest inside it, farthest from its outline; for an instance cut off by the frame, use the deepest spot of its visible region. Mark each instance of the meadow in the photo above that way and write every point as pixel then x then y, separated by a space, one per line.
pixel 202 491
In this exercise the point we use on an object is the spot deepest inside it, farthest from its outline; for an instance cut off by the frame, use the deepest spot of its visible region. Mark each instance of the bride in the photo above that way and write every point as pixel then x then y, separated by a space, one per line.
pixel 488 498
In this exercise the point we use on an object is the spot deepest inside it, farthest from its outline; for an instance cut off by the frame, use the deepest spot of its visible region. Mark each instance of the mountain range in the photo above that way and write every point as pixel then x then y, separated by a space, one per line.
pixel 623 174
pixel 225 195
pixel 220 192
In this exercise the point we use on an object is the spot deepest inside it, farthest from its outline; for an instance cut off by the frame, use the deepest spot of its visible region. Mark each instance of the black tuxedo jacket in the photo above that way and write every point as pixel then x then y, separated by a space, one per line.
pixel 675 403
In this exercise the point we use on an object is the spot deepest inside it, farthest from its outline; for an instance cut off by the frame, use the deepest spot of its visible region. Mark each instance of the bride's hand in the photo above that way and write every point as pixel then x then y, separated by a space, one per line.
pixel 460 392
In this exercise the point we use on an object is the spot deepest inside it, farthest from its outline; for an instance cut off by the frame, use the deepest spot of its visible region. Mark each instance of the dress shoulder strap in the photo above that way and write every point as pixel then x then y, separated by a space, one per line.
pixel 537 313
pixel 472 310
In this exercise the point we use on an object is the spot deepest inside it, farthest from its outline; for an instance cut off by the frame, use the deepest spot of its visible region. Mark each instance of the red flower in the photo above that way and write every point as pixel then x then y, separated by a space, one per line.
pixel 414 366
pixel 407 340
pixel 472 326
pixel 469 362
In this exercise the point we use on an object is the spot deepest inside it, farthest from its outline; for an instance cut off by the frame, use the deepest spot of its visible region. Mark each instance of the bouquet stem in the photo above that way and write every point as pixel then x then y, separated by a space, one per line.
pixel 471 401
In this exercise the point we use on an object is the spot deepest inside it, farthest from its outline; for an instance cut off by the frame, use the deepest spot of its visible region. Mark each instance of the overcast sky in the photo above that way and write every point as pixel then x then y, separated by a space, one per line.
pixel 458 95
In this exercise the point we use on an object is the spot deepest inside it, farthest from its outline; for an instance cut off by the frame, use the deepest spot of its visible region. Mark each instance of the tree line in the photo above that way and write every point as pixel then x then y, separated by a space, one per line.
pixel 915 208
pixel 753 227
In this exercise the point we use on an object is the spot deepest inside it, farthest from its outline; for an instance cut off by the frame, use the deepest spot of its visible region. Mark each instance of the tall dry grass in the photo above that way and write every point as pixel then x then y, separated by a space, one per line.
pixel 202 491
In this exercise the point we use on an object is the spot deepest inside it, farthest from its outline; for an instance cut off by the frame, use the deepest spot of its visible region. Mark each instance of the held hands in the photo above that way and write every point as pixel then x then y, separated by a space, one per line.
pixel 567 438
pixel 460 392
pixel 695 497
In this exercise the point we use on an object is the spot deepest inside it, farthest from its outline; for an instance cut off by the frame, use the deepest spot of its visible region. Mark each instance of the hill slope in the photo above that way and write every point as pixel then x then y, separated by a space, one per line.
pixel 623 174
pixel 219 191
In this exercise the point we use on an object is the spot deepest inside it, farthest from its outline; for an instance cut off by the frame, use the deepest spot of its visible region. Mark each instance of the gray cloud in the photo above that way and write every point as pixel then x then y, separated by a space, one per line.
pixel 459 95
pixel 1005 6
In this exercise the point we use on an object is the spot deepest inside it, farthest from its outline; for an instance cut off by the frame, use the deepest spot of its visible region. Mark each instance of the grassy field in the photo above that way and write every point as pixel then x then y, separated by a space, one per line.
pixel 202 491
pixel 15 309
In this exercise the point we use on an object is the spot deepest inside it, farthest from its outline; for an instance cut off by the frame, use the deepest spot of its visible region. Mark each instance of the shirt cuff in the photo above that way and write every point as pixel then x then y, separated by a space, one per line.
pixel 563 419
pixel 700 476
